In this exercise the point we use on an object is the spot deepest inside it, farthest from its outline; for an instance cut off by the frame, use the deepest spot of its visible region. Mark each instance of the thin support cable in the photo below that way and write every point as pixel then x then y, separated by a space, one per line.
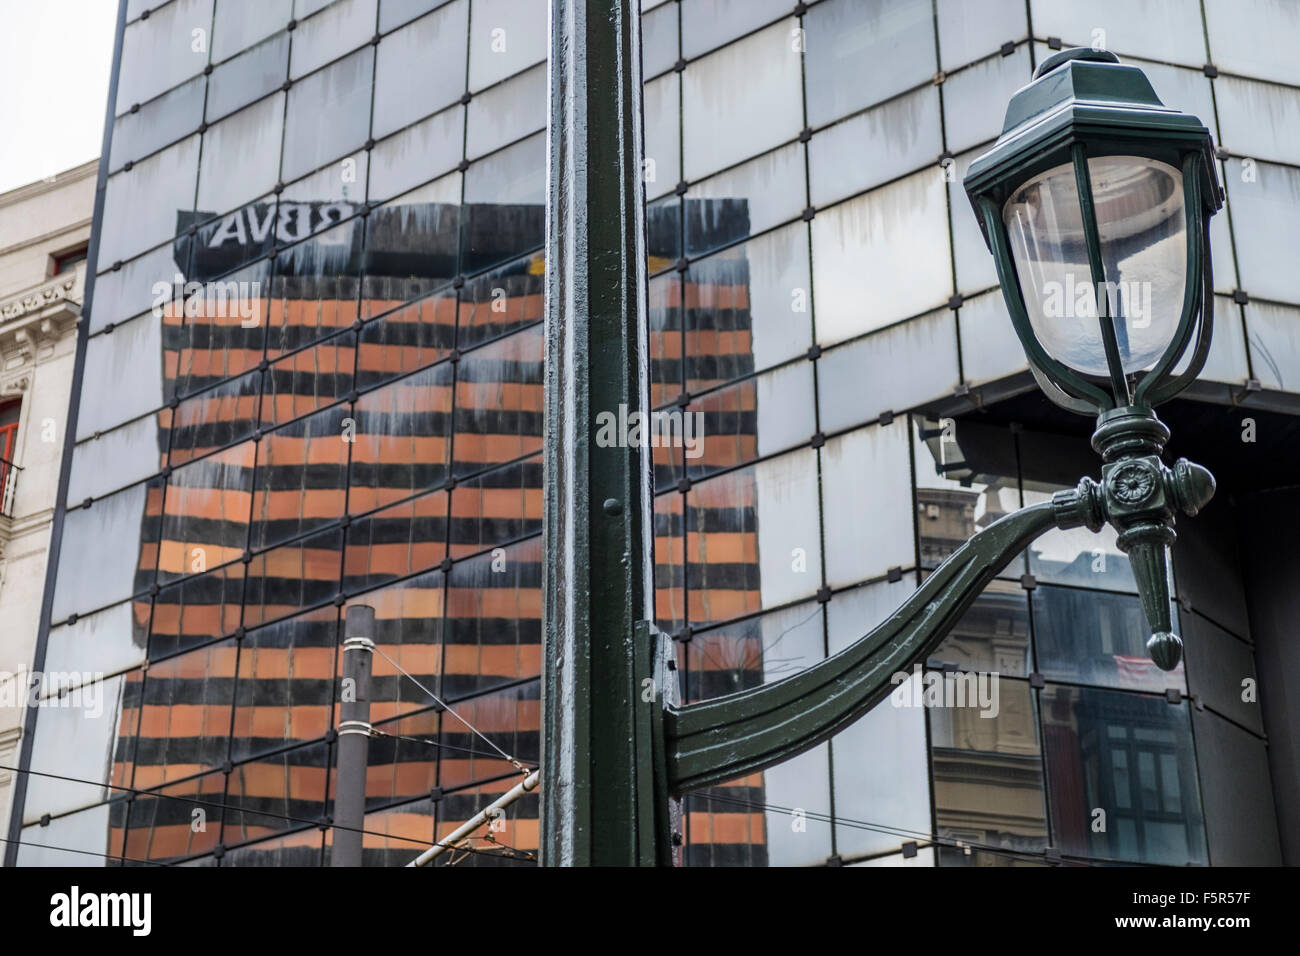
pixel 436 699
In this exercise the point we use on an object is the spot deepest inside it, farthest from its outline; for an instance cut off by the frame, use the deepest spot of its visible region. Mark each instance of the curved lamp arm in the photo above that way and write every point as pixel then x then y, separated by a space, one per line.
pixel 721 739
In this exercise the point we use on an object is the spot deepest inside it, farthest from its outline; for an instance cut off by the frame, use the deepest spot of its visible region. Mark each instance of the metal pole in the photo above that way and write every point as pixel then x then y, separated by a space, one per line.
pixel 353 736
pixel 527 785
pixel 596 586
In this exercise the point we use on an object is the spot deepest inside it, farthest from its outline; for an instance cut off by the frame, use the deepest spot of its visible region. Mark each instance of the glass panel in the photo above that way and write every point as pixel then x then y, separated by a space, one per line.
pixel 286 579
pixel 206 522
pixel 749 199
pixel 1235 28
pixel 402 433
pixel 506 112
pixel 159 53
pixel 505 214
pixel 343 26
pixel 223 335
pixel 752 538
pixel 412 245
pixel 118 458
pixel 302 382
pixel 247 77
pixel 974 100
pixel 707 24
pixel 1155 28
pixel 157 123
pixel 737 424
pixel 395 542
pixel 987 765
pixel 329 114
pixel 186 723
pixel 505 36
pixel 661 104
pixel 666 342
pixel 1266 227
pixel 108 550
pixel 315 289
pixel 658 40
pixel 216 418
pixel 142 204
pixel 511 719
pixel 412 337
pixel 966 478
pixel 403 763
pixel 238 25
pixel 881 781
pixel 493 631
pixel 102 643
pixel 241 156
pixel 301 848
pixel 331 194
pixel 897 368
pixel 195 611
pixel 670 561
pixel 79 747
pixel 134 288
pixel 408 631
pixel 1219 665
pixel 861 54
pixel 396 12
pixel 881 257
pixel 971 31
pixel 722 93
pixel 503 505
pixel 1089 637
pixel 1083 730
pixel 411 157
pixel 177 821
pixel 755 651
pixel 976 270
pixel 499 401
pixel 876 146
pixel 990 349
pixel 421 68
pixel 867 495
pixel 501 301
pixel 747 308
pixel 90 838
pixel 301 477
pixel 285 686
pixel 276 793
pixel 992 636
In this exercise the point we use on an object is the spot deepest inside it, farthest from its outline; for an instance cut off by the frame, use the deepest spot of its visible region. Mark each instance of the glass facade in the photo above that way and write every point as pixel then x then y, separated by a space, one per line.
pixel 313 377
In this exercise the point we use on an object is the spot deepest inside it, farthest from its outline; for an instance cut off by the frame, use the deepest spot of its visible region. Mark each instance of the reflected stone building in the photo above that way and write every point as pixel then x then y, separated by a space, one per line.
pixel 346 407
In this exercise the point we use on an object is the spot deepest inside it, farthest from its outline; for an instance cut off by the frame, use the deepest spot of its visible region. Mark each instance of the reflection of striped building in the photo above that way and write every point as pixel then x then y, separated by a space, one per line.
pixel 377 439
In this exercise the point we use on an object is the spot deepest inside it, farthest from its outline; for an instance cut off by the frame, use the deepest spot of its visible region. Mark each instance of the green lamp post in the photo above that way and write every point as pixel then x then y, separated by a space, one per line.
pixel 1091 175
pixel 1095 202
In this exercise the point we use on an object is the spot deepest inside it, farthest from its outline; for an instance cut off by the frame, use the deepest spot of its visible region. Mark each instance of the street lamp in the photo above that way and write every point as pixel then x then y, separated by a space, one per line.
pixel 1095 202
pixel 1092 175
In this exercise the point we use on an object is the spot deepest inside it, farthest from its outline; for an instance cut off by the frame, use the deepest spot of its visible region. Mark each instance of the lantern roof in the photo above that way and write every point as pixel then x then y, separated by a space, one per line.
pixel 1085 95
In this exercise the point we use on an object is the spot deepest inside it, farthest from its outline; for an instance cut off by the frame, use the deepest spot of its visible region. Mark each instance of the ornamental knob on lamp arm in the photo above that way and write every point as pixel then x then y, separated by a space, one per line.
pixel 1095 202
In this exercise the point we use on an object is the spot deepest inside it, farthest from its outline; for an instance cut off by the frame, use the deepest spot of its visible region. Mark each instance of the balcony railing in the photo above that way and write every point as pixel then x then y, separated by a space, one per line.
pixel 9 473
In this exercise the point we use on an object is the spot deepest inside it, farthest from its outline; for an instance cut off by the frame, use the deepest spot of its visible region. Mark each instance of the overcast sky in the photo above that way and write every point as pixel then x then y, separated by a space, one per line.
pixel 54 64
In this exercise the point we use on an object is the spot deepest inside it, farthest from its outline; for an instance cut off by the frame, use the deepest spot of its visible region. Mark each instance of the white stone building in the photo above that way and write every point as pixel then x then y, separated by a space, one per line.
pixel 44 231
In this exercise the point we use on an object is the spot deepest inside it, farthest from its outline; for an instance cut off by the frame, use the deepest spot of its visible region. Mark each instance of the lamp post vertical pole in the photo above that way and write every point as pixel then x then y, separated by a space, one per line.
pixel 353 736
pixel 596 584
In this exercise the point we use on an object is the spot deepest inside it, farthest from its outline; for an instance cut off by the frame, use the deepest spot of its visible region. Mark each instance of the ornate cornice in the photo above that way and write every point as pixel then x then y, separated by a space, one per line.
pixel 41 315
